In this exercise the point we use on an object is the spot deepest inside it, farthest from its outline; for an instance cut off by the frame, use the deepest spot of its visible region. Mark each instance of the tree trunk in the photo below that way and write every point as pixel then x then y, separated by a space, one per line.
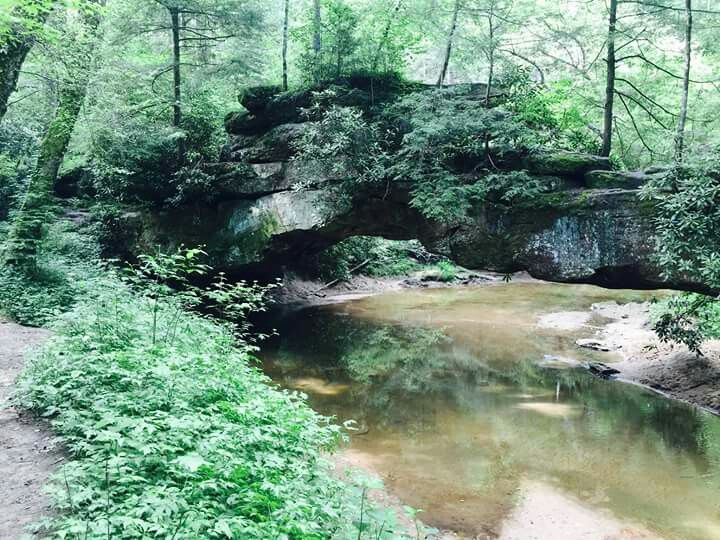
pixel 682 120
pixel 448 49
pixel 491 73
pixel 385 35
pixel 285 45
pixel 177 95
pixel 317 43
pixel 26 232
pixel 610 83
pixel 13 51
pixel 491 59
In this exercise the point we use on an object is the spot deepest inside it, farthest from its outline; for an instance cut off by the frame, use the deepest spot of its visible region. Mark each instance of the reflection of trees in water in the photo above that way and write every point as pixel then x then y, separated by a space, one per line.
pixel 403 376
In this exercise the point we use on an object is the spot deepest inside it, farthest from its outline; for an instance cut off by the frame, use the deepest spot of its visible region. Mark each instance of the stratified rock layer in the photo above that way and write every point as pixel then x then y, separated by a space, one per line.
pixel 593 229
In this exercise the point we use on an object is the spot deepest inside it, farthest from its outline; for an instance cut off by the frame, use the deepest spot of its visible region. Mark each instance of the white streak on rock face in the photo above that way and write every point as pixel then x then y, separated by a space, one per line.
pixel 283 212
pixel 266 170
pixel 575 246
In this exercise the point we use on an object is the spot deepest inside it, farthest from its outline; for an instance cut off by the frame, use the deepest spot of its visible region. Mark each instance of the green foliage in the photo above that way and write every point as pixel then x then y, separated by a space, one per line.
pixel 686 206
pixel 37 295
pixel 386 258
pixel 443 144
pixel 11 184
pixel 388 350
pixel 353 40
pixel 342 146
pixel 136 158
pixel 444 271
pixel 688 220
pixel 553 112
pixel 690 319
pixel 449 152
pixel 175 438
pixel 170 431
pixel 24 295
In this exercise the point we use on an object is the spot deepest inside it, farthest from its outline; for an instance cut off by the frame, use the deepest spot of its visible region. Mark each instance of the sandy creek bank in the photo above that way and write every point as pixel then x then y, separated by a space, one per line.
pixel 641 358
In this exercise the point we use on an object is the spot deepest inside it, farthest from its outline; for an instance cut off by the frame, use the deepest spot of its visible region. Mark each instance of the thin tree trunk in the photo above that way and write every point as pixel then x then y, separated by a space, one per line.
pixel 26 232
pixel 285 45
pixel 317 43
pixel 13 51
pixel 491 59
pixel 610 83
pixel 177 93
pixel 448 49
pixel 491 72
pixel 385 35
pixel 680 136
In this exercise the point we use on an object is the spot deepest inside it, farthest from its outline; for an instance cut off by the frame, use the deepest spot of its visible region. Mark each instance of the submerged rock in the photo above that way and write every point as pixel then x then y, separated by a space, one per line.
pixel 602 370
pixel 595 345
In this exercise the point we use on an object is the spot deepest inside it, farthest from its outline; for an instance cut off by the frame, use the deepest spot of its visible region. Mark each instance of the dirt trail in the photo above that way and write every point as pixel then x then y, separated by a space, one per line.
pixel 27 453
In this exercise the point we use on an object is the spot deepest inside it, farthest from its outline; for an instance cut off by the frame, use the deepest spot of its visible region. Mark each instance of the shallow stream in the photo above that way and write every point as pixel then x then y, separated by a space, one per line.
pixel 469 410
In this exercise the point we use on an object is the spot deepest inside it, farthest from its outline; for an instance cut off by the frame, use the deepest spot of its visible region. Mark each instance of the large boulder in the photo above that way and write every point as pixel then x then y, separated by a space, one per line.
pixel 240 235
pixel 275 211
pixel 247 181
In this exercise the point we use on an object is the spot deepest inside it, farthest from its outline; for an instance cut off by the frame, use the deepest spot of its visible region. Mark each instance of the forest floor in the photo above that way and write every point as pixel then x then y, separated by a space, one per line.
pixel 641 358
pixel 27 451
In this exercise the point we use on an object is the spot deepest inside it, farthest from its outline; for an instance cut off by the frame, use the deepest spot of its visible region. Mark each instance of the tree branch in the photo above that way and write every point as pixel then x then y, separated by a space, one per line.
pixel 632 119
pixel 648 98
pixel 642 106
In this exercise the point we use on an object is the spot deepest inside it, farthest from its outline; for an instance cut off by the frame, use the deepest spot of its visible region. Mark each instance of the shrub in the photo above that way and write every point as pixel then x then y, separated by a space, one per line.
pixel 36 296
pixel 447 271
pixel 686 213
pixel 178 438
pixel 387 258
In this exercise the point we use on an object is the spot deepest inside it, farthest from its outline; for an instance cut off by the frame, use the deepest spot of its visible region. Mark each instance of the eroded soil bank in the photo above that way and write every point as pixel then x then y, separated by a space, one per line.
pixel 27 451
pixel 297 293
pixel 641 358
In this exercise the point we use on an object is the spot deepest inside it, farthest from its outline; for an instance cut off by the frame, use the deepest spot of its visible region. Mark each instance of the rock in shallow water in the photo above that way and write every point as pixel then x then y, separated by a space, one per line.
pixel 595 345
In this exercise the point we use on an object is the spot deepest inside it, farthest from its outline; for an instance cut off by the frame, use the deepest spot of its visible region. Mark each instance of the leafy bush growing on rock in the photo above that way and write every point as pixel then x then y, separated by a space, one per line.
pixel 686 206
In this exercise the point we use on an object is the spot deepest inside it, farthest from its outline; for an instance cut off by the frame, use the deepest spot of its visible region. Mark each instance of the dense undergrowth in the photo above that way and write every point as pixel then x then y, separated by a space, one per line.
pixel 170 430
pixel 381 258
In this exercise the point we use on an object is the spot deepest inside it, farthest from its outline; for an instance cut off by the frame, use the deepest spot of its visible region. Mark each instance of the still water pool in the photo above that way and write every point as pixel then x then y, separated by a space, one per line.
pixel 463 404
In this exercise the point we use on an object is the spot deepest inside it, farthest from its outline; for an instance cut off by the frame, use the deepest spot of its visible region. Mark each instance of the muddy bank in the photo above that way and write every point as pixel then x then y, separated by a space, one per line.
pixel 297 292
pixel 27 449
pixel 632 348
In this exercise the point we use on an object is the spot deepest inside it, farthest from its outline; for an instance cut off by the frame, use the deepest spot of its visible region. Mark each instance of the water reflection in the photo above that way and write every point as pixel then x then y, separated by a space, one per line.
pixel 455 409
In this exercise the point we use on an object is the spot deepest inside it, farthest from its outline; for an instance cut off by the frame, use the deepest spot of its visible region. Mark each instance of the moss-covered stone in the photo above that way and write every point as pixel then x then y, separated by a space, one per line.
pixel 616 179
pixel 246 181
pixel 567 164
pixel 256 98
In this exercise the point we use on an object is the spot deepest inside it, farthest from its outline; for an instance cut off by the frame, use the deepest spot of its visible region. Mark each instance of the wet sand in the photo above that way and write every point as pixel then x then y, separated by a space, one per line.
pixel 669 369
